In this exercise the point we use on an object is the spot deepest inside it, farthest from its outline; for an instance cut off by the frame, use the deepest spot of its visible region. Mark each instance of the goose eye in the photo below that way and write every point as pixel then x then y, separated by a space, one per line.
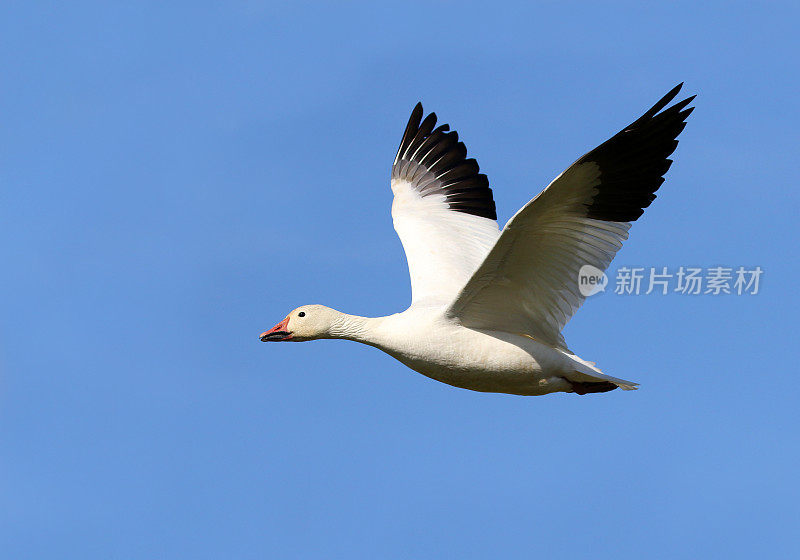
pixel 301 314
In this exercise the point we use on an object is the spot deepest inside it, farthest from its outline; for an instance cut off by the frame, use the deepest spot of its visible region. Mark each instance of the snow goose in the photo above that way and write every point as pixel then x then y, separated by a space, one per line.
pixel 488 306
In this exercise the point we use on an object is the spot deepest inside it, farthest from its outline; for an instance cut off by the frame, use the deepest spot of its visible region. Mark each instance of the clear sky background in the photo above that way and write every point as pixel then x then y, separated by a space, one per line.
pixel 175 178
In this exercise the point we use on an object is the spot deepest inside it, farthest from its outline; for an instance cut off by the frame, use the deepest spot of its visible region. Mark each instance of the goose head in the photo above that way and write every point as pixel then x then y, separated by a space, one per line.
pixel 308 322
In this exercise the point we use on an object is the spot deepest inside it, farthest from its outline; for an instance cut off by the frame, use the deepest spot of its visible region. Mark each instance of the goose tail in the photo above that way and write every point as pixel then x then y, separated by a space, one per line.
pixel 588 378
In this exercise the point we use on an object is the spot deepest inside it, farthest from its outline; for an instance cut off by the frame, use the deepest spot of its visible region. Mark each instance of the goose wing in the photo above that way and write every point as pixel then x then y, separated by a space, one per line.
pixel 443 210
pixel 528 283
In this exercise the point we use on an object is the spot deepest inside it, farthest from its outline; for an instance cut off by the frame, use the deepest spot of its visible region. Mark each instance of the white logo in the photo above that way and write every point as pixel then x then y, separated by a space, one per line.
pixel 591 280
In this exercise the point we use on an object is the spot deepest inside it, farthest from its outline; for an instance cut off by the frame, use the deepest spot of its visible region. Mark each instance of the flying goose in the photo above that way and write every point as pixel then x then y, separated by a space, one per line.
pixel 488 306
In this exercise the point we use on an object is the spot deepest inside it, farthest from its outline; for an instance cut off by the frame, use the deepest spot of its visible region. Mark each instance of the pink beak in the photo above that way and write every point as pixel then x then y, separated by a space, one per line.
pixel 277 333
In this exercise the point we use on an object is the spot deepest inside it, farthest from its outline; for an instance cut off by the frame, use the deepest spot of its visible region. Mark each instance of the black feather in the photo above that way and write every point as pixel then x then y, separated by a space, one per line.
pixel 433 161
pixel 633 162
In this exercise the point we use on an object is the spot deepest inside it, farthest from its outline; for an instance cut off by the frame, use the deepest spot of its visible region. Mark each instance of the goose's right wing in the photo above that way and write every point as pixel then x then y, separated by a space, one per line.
pixel 443 210
pixel 528 284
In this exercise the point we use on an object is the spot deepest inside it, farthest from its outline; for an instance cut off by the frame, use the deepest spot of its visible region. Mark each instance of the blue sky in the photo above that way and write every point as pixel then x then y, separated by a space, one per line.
pixel 176 178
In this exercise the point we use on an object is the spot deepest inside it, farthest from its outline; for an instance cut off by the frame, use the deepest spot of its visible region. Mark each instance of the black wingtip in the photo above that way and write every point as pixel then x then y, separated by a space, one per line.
pixel 633 162
pixel 437 156
pixel 411 128
pixel 661 103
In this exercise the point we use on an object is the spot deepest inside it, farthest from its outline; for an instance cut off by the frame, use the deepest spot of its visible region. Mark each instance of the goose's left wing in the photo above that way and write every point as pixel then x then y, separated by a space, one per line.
pixel 443 210
pixel 528 283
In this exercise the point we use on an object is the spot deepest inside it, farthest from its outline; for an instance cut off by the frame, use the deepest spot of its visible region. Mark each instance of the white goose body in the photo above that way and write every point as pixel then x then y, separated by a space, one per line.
pixel 425 341
pixel 488 306
pixel 487 361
